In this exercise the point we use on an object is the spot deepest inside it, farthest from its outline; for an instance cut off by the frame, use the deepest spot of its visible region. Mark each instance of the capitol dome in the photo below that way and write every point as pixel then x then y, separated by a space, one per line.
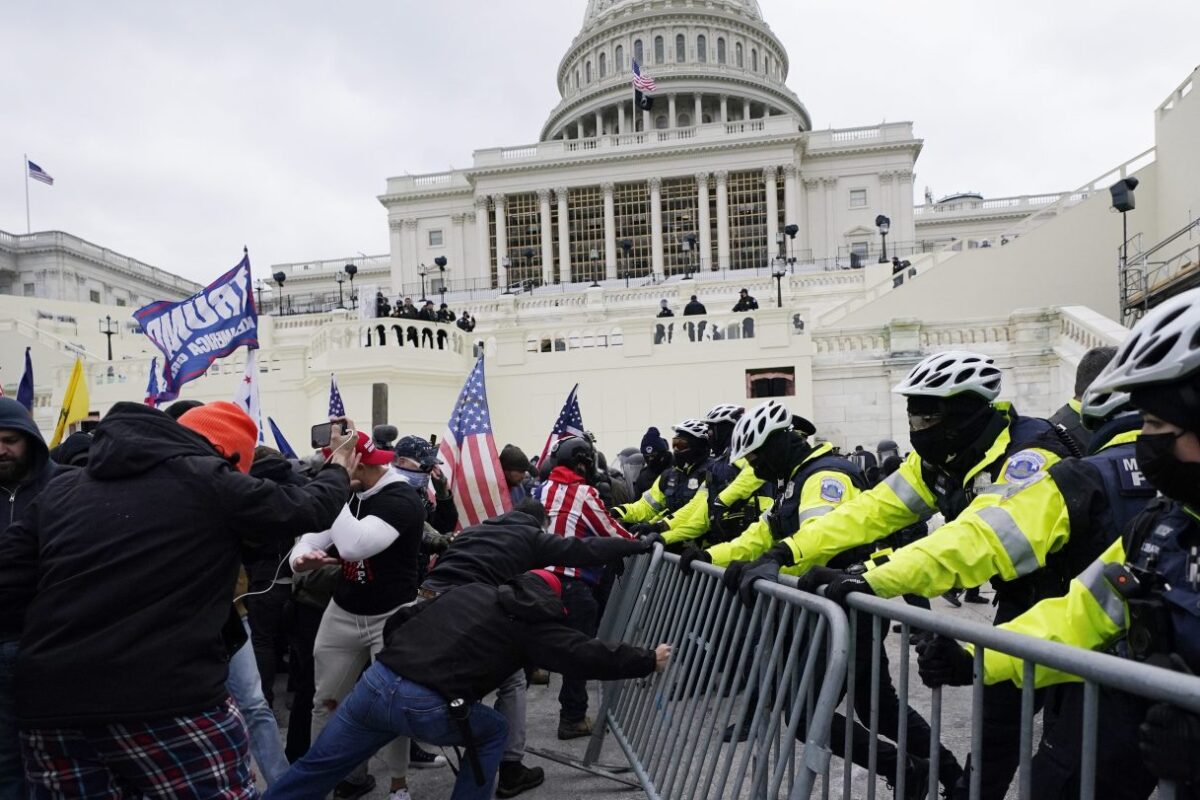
pixel 712 60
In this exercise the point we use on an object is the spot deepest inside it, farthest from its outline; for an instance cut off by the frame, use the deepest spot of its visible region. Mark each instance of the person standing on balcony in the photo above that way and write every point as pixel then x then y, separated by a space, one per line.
pixel 746 302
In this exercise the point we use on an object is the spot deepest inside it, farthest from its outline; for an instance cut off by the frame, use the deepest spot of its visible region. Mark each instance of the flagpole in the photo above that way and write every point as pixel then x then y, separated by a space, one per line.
pixel 25 168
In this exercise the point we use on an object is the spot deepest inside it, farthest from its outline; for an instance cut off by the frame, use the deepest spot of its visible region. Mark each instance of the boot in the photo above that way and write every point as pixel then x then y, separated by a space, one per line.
pixel 916 778
pixel 951 597
pixel 574 730
pixel 346 790
pixel 515 778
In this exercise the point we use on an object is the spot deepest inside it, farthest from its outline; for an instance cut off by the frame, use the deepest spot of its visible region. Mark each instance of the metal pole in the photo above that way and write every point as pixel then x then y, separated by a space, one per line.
pixel 25 168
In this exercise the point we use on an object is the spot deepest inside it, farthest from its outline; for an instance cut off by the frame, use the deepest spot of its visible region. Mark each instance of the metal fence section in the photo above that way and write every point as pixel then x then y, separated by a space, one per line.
pixel 771 674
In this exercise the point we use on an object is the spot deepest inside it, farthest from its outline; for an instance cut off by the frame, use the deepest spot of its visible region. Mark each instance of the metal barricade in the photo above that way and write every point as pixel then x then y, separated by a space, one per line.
pixel 772 673
pixel 1099 673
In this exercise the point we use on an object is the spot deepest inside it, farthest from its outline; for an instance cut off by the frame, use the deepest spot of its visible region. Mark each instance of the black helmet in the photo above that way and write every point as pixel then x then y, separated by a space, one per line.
pixel 574 452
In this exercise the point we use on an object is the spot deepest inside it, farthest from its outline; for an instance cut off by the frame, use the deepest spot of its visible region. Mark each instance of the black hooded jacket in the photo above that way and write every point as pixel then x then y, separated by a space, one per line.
pixel 128 567
pixel 468 640
pixel 501 548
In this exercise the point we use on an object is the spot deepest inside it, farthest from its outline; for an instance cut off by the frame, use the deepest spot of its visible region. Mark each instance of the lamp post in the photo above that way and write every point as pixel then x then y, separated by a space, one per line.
pixel 1123 201
pixel 791 231
pixel 689 247
pixel 352 270
pixel 280 277
pixel 778 274
pixel 440 262
pixel 527 253
pixel 340 278
pixel 423 272
pixel 258 289
pixel 627 246
pixel 884 224
pixel 109 329
pixel 506 262
pixel 594 255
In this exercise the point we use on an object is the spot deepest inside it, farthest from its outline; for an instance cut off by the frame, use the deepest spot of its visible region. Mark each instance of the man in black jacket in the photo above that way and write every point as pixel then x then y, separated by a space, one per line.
pixel 127 568
pixel 455 650
pixel 495 552
pixel 25 467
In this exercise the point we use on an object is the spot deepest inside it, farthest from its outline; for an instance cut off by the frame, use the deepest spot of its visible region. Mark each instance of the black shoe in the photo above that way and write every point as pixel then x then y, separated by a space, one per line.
pixel 347 790
pixel 973 596
pixel 515 778
pixel 916 779
pixel 420 758
pixel 742 734
pixel 951 597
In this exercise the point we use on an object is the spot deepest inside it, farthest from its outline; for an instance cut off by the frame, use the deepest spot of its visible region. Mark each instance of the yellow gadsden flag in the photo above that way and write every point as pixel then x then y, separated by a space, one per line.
pixel 75 403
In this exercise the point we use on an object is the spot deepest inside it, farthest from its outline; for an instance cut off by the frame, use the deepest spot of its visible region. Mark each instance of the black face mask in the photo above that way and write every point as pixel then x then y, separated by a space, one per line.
pixel 1178 480
pixel 933 444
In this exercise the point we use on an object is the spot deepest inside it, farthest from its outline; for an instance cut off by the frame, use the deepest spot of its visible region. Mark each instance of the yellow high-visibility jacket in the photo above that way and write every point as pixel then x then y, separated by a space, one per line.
pixel 691 521
pixel 1007 531
pixel 903 499
pixel 822 492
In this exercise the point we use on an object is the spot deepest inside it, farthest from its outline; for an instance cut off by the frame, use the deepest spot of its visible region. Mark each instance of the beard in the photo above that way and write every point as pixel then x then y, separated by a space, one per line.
pixel 13 470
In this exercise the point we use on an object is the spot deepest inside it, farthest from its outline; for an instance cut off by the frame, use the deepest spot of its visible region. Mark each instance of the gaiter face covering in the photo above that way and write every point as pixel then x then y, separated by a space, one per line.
pixel 1178 480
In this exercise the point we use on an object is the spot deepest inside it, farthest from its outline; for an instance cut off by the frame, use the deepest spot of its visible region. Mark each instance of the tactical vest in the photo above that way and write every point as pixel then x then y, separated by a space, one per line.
pixel 1164 542
pixel 679 487
pixel 783 518
pixel 735 518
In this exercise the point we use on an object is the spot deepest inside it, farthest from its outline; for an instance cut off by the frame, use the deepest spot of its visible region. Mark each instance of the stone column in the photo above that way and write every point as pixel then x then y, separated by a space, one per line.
pixel 656 226
pixel 769 176
pixel 564 236
pixel 791 196
pixel 904 206
pixel 483 259
pixel 621 118
pixel 547 236
pixel 722 218
pixel 698 117
pixel 579 128
pixel 814 218
pixel 671 111
pixel 599 124
pixel 410 246
pixel 832 240
pixel 705 222
pixel 501 240
pixel 646 127
pixel 395 234
pixel 887 196
pixel 610 233
pixel 458 224
pixel 724 108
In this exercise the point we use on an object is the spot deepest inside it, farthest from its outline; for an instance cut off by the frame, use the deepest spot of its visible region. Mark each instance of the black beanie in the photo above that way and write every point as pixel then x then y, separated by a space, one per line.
pixel 653 442
pixel 1177 403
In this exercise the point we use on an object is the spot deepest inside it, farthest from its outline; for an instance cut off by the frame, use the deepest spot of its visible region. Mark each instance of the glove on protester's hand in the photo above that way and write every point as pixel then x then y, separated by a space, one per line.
pixel 843 584
pixel 649 540
pixel 941 661
pixel 766 567
pixel 692 553
pixel 1169 740
pixel 817 577
pixel 641 529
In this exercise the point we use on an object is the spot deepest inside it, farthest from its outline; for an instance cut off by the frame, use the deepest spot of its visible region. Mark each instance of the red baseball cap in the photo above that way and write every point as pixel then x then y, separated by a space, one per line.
pixel 366 448
pixel 550 578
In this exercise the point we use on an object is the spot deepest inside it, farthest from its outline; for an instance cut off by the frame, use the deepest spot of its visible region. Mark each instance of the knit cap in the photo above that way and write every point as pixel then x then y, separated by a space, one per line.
pixel 227 428
pixel 653 442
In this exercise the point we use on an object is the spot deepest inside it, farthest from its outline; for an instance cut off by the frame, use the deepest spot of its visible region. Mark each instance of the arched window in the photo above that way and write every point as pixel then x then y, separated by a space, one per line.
pixel 754 60
pixel 768 59
pixel 660 122
pixel 737 56
pixel 720 49
pixel 680 49
pixel 685 120
pixel 619 59
pixel 587 72
pixel 701 49
pixel 660 52
pixel 638 55
pixel 603 65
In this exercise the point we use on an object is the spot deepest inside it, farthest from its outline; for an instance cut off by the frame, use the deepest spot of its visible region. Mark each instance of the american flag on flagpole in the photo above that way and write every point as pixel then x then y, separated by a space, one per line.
pixel 152 384
pixel 336 408
pixel 569 423
pixel 247 395
pixel 39 174
pixel 643 83
pixel 472 463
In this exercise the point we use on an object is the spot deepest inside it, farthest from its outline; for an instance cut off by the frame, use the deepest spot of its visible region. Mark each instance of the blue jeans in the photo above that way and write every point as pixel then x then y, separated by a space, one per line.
pixel 382 707
pixel 12 773
pixel 245 687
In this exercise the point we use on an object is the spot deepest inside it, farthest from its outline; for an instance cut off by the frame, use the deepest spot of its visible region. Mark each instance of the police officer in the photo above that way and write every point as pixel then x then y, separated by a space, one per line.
pixel 677 485
pixel 968 449
pixel 1139 597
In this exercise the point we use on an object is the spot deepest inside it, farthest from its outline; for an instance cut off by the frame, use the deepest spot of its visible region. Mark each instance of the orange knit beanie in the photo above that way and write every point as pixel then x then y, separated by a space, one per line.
pixel 227 428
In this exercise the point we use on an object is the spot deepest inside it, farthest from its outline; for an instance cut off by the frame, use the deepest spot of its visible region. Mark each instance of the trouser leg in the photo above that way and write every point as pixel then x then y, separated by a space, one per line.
pixel 302 637
pixel 581 615
pixel 266 614
pixel 510 702
pixel 245 687
pixel 338 659
pixel 12 780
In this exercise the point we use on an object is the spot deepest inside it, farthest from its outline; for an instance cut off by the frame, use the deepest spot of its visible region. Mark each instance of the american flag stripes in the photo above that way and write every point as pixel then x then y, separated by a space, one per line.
pixel 575 510
pixel 569 423
pixel 39 174
pixel 472 462
pixel 643 83
pixel 152 384
pixel 336 407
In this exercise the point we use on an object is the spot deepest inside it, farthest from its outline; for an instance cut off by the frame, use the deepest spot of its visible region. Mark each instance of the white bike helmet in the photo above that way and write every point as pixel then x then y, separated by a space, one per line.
pixel 755 426
pixel 726 412
pixel 1163 347
pixel 1096 407
pixel 697 428
pixel 952 373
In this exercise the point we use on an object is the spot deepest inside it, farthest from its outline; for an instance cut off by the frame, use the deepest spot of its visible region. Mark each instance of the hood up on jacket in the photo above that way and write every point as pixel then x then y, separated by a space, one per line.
pixel 133 439
pixel 15 417
pixel 528 598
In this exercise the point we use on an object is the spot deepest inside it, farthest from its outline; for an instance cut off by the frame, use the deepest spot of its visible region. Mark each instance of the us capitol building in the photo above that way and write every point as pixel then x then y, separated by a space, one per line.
pixel 564 248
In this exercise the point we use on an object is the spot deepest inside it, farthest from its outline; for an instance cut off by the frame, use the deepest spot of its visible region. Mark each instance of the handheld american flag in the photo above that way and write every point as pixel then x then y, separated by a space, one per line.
pixel 247 396
pixel 472 463
pixel 152 384
pixel 336 407
pixel 569 423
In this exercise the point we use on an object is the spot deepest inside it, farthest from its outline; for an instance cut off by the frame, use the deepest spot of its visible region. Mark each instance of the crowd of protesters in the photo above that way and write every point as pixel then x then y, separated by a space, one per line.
pixel 412 335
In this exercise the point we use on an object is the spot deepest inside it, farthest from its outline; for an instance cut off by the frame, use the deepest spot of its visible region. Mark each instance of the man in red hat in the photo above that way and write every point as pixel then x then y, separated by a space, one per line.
pixel 440 659
pixel 127 567
pixel 377 540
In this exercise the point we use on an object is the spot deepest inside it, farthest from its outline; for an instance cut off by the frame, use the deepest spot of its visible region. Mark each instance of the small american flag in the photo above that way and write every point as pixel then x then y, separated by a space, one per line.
pixel 643 83
pixel 152 384
pixel 336 408
pixel 569 423
pixel 472 463
pixel 39 174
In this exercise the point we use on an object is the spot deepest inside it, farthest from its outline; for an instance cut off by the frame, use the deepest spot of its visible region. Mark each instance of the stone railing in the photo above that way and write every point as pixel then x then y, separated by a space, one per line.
pixel 1024 204
pixel 405 336
pixel 581 338
pixel 37 333
pixel 432 182
pixel 1087 329
pixel 875 134
pixel 330 266
pixel 700 330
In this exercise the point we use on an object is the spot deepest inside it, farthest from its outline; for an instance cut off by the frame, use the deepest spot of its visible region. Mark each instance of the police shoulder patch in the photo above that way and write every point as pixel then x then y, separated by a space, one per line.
pixel 693 484
pixel 832 490
pixel 1024 465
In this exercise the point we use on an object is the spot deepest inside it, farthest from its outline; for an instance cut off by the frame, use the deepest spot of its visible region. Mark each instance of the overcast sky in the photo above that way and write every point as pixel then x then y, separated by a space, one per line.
pixel 177 132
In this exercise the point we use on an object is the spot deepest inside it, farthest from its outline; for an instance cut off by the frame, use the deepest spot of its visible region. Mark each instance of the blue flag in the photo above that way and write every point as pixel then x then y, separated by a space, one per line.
pixel 25 390
pixel 281 442
pixel 209 325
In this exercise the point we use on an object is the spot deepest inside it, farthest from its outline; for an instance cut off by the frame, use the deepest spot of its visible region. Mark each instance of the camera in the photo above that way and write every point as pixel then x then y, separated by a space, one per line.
pixel 322 433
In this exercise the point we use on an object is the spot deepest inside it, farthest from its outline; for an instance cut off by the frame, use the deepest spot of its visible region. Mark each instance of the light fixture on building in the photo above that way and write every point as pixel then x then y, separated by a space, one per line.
pixel 594 255
pixel 506 263
pixel 1123 201
pixel 352 270
pixel 884 224
pixel 689 247
pixel 280 277
pixel 791 231
pixel 340 277
pixel 440 262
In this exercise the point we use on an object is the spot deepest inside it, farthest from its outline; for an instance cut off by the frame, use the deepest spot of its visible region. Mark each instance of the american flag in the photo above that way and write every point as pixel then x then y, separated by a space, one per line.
pixel 569 423
pixel 336 408
pixel 247 395
pixel 472 463
pixel 643 83
pixel 39 174
pixel 152 384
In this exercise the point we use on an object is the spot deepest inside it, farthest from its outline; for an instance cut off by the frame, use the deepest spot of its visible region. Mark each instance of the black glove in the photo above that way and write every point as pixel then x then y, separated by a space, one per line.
pixel 732 576
pixel 646 528
pixel 692 553
pixel 766 567
pixel 942 662
pixel 649 540
pixel 1169 739
pixel 843 584
pixel 817 577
